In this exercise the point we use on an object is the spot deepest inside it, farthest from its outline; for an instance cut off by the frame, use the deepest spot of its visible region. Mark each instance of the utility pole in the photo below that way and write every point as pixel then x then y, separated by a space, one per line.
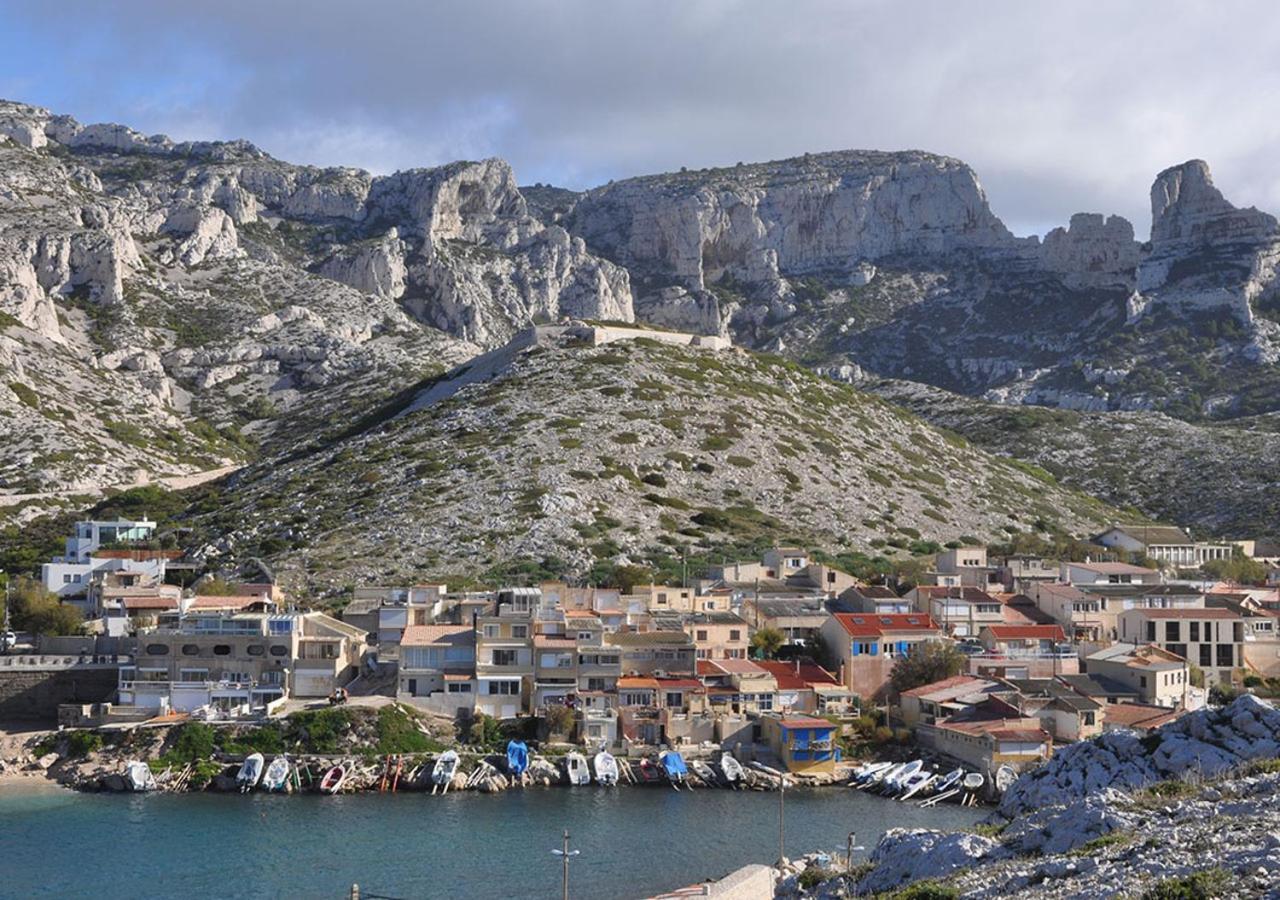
pixel 782 823
pixel 564 855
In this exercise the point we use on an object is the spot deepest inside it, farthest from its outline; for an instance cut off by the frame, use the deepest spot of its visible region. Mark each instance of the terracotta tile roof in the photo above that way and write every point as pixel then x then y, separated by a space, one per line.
pixel 424 635
pixel 1019 734
pixel 1027 632
pixel 789 679
pixel 806 723
pixel 1112 568
pixel 705 667
pixel 681 684
pixel 219 601
pixel 150 602
pixel 871 625
pixel 1139 716
pixel 551 640
pixel 632 683
pixel 740 667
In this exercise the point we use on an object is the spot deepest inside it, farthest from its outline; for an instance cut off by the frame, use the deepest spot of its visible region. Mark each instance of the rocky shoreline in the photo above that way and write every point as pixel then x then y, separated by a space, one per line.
pixel 1190 810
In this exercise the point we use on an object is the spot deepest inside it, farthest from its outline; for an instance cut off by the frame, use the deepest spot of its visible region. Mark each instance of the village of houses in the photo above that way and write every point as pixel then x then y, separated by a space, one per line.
pixel 1051 651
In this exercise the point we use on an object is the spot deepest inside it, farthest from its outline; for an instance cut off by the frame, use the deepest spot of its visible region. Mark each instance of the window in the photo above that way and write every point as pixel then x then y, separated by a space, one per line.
pixel 272 676
pixel 190 649
pixel 221 649
pixel 193 675
pixel 492 631
pixel 256 650
pixel 1206 654
pixel 675 698
pixel 519 631
pixel 700 634
pixel 279 650
pixel 157 649
pixel 505 688
pixel 764 701
pixel 735 634
pixel 1195 632
pixel 596 684
pixel 504 658
pixel 279 626
pixel 1151 632
pixel 1086 718
pixel 1172 631
pixel 584 635
pixel 459 687
pixel 1226 656
pixel 1142 681
pixel 66 579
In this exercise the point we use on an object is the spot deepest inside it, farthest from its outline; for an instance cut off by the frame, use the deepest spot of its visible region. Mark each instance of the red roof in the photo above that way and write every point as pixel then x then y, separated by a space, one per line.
pixel 793 678
pixel 870 625
pixel 681 684
pixel 1027 632
pixel 953 681
pixel 708 667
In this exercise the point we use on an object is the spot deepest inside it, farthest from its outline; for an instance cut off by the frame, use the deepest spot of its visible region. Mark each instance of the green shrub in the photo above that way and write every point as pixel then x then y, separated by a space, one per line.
pixel 398 732
pixel 926 890
pixel 813 876
pixel 82 743
pixel 25 394
pixel 1202 885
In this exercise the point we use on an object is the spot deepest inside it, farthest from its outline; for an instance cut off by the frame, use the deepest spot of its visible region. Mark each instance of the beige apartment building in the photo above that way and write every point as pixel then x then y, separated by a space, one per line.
pixel 1212 639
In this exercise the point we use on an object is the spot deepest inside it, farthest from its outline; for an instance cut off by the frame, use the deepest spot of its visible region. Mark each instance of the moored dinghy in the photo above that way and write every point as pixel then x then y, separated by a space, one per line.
pixel 1005 777
pixel 649 773
pixel 575 769
pixel 606 768
pixel 731 769
pixel 333 779
pixel 704 772
pixel 276 778
pixel 250 772
pixel 442 772
pixel 673 764
pixel 138 776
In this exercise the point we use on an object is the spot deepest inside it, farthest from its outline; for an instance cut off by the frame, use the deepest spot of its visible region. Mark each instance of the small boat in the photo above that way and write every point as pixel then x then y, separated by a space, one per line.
pixel 1005 777
pixel 333 779
pixel 948 781
pixel 877 779
pixel 138 776
pixel 442 772
pixel 893 783
pixel 973 781
pixel 916 783
pixel 517 757
pixel 606 768
pixel 673 764
pixel 864 774
pixel 276 778
pixel 649 772
pixel 575 769
pixel 731 769
pixel 704 772
pixel 250 772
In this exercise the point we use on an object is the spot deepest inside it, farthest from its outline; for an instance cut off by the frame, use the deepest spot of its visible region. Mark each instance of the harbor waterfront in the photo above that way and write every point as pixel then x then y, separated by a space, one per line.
pixel 633 842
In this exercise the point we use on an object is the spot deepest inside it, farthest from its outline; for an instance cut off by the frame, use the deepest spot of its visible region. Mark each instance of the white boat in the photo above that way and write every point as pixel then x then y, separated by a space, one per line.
pixel 865 773
pixel 1005 777
pixel 138 776
pixel 880 779
pixel 948 781
pixel 250 772
pixel 276 778
pixel 731 769
pixel 973 781
pixel 606 768
pixel 575 769
pixel 915 784
pixel 704 772
pixel 894 781
pixel 442 772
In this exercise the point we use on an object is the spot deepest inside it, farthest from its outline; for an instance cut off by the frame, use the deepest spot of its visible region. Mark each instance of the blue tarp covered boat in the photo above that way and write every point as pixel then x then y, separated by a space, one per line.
pixel 517 757
pixel 674 765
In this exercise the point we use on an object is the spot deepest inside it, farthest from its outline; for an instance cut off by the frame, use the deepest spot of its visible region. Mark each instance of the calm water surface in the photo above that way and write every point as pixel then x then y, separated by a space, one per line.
pixel 633 841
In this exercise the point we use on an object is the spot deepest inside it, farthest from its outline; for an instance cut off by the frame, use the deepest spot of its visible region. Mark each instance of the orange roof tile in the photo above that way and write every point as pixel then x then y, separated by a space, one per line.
pixel 422 635
pixel 872 625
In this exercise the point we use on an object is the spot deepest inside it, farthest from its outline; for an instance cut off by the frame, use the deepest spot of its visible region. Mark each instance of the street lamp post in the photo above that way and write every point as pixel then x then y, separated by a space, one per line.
pixel 782 822
pixel 564 855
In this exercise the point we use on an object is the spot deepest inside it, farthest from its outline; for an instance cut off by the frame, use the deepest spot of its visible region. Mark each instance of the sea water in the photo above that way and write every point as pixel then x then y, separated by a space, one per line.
pixel 631 841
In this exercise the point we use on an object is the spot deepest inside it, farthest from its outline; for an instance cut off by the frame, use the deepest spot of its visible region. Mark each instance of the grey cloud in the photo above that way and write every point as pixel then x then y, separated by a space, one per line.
pixel 1059 107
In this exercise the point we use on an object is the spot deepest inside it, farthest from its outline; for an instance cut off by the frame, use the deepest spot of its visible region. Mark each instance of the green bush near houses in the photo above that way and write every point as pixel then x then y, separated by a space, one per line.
pixel 82 743
pixel 1203 885
pixel 398 732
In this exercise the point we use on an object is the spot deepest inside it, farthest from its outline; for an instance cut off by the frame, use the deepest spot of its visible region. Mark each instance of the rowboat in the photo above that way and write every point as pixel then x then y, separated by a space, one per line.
pixel 865 773
pixel 606 768
pixel 333 779
pixel 673 764
pixel 973 781
pixel 704 772
pixel 517 757
pixel 948 781
pixel 731 769
pixel 250 772
pixel 649 773
pixel 575 769
pixel 276 778
pixel 893 782
pixel 138 777
pixel 1005 777
pixel 442 772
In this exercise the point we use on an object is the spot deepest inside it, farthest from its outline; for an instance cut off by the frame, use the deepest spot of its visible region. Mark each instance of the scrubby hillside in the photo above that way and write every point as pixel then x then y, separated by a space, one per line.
pixel 631 452
pixel 1216 476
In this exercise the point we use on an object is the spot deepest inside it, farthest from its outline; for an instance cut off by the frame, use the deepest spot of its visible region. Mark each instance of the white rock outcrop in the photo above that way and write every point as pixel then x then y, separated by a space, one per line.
pixel 376 267
pixel 206 233
pixel 1093 251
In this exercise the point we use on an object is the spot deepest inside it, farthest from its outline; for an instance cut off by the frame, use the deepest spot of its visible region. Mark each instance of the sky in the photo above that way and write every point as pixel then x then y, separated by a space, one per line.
pixel 1060 107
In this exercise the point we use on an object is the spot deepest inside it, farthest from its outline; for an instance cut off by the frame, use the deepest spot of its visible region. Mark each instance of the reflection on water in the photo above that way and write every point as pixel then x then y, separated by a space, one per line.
pixel 633 841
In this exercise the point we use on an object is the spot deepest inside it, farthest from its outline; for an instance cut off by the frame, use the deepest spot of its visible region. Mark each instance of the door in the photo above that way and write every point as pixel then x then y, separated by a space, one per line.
pixel 413 687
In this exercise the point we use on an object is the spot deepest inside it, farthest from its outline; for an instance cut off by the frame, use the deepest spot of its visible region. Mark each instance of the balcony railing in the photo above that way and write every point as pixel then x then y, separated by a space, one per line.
pixel 1024 654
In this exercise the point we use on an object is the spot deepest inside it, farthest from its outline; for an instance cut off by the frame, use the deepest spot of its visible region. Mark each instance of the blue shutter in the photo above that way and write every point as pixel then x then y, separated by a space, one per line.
pixel 902 647
pixel 855 649
pixel 875 649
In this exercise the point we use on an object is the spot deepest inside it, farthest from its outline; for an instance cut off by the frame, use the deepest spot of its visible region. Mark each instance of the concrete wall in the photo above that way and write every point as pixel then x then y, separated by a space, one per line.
pixel 35 693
